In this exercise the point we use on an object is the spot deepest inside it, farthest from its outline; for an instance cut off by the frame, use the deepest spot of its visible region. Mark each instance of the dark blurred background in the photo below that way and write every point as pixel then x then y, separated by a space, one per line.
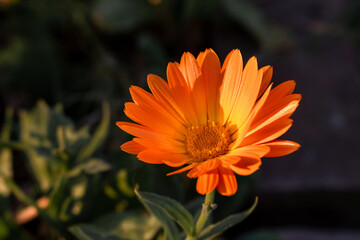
pixel 81 52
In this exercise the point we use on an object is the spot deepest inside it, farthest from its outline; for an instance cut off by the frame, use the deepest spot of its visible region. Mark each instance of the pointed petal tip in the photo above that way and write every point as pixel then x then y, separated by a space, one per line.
pixel 181 170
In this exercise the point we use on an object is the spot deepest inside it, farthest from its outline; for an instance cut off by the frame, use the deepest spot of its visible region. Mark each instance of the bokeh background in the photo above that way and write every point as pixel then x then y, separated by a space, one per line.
pixel 81 53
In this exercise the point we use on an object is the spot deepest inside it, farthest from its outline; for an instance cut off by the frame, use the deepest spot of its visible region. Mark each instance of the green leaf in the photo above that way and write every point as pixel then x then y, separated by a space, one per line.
pixel 125 225
pixel 96 165
pixel 91 166
pixel 6 154
pixel 58 196
pixel 216 229
pixel 171 208
pixel 121 15
pixel 53 144
pixel 89 232
pixel 38 134
pixel 122 183
pixel 171 231
pixel 99 135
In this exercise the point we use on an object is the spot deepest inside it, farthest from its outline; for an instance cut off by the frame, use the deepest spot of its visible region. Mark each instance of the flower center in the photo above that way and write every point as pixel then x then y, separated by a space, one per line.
pixel 207 141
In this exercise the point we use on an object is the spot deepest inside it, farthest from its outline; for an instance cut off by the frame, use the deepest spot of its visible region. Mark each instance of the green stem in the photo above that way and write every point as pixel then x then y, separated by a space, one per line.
pixel 207 208
pixel 13 145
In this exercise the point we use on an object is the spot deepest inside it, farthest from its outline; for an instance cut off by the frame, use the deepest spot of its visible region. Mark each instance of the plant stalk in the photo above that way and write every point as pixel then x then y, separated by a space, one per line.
pixel 207 208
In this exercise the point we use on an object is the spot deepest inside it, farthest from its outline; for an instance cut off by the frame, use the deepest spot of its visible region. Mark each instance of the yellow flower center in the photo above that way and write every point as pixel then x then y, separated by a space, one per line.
pixel 207 141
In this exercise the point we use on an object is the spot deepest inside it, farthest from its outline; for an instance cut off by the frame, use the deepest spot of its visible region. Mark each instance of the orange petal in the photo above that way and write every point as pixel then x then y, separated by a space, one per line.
pixel 241 132
pixel 182 169
pixel 204 167
pixel 150 139
pixel 192 73
pixel 161 144
pixel 277 100
pixel 189 68
pixel 267 75
pixel 181 93
pixel 207 182
pixel 227 185
pixel 280 148
pixel 145 132
pixel 210 69
pixel 250 150
pixel 229 159
pixel 161 92
pixel 151 120
pixel 148 157
pixel 208 165
pixel 282 90
pixel 268 133
pixel 226 62
pixel 246 166
pixel 200 57
pixel 283 111
pixel 132 147
pixel 158 157
pixel 149 103
pixel 231 83
pixel 176 162
pixel 246 96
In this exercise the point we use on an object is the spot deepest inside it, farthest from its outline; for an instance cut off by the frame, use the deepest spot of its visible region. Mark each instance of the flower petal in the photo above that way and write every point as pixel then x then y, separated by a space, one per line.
pixel 241 132
pixel 207 182
pixel 132 147
pixel 246 166
pixel 151 139
pixel 145 132
pixel 210 69
pixel 161 144
pixel 282 90
pixel 192 73
pixel 189 68
pixel 157 157
pixel 231 83
pixel 229 159
pixel 203 167
pixel 269 132
pixel 151 120
pixel 227 185
pixel 250 150
pixel 267 75
pixel 181 93
pixel 161 92
pixel 283 111
pixel 280 148
pixel 247 93
pixel 148 102
pixel 188 167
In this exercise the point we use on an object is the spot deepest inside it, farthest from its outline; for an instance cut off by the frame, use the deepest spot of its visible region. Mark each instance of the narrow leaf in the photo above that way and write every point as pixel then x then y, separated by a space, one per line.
pixel 6 154
pixel 118 225
pixel 219 227
pixel 171 231
pixel 89 232
pixel 172 208
pixel 99 135
pixel 58 195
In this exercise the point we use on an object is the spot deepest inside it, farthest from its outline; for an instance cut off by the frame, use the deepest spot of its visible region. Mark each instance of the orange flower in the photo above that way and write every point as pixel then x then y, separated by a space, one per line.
pixel 216 120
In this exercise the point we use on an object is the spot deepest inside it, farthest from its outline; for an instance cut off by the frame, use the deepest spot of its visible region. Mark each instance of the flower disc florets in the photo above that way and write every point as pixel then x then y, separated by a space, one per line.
pixel 207 141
